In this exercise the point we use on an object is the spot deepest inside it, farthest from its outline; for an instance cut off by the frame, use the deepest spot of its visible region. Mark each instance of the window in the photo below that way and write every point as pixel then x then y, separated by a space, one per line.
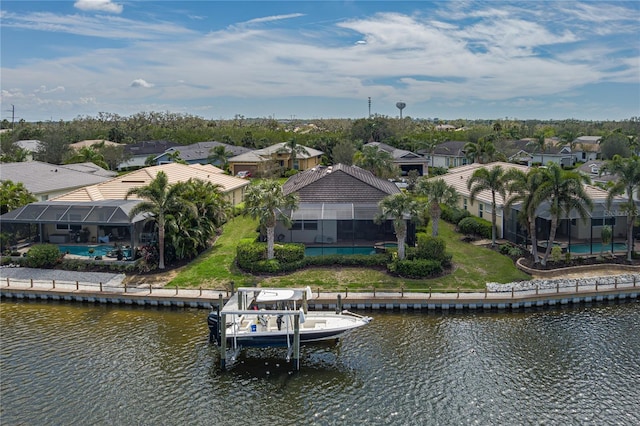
pixel 480 209
pixel 601 221
pixel 305 225
pixel 464 203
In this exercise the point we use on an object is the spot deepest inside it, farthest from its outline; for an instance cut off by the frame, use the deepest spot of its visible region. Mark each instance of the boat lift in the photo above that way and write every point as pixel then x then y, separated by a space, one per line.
pixel 236 307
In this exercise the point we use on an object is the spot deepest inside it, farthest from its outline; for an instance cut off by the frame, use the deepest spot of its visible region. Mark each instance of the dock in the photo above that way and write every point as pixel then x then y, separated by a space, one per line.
pixel 358 301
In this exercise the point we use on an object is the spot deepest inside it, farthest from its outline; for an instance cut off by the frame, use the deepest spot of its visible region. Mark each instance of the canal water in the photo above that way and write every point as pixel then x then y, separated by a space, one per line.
pixel 94 365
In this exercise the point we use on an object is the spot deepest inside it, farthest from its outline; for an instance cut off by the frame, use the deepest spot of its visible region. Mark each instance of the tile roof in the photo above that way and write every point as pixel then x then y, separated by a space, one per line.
pixel 116 189
pixel 339 184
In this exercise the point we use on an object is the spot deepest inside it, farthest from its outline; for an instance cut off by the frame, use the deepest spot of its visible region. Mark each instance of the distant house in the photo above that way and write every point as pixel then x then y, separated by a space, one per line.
pixel 47 181
pixel 31 146
pixel 447 154
pixel 445 128
pixel 529 153
pixel 405 160
pixel 337 206
pixel 139 152
pixel 199 153
pixel 93 142
pixel 587 148
pixel 278 155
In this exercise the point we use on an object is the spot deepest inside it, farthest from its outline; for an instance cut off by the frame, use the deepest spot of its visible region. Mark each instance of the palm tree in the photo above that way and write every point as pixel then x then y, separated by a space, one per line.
pixel 627 171
pixel 482 151
pixel 493 180
pixel 522 190
pixel 398 207
pixel 437 192
pixel 292 148
pixel 262 201
pixel 159 198
pixel 87 154
pixel 219 154
pixel 540 144
pixel 377 161
pixel 564 191
pixel 14 195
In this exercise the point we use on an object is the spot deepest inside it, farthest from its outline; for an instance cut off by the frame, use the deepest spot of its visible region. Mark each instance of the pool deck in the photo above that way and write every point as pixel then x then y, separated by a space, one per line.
pixel 110 289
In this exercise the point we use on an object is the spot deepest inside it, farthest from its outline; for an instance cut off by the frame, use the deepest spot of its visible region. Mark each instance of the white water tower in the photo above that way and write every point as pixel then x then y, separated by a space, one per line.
pixel 400 105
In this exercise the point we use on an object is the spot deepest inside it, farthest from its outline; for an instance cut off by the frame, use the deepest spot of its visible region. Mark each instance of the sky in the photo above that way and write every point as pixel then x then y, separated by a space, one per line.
pixel 321 59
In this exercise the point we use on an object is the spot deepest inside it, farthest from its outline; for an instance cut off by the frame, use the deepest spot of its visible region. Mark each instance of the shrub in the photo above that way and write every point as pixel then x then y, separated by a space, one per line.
pixel 43 256
pixel 433 248
pixel 290 252
pixel 419 268
pixel 453 214
pixel 556 253
pixel 475 226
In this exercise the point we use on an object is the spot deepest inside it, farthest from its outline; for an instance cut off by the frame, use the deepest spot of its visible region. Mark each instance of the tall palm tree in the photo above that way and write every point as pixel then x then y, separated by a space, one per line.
pixel 482 151
pixel 159 198
pixel 219 154
pixel 565 192
pixel 377 161
pixel 88 154
pixel 262 201
pixel 292 148
pixel 627 171
pixel 540 144
pixel 523 189
pixel 493 180
pixel 398 207
pixel 437 192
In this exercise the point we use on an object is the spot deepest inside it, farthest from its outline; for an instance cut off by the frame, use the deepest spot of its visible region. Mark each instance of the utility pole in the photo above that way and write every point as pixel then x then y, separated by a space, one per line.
pixel 369 106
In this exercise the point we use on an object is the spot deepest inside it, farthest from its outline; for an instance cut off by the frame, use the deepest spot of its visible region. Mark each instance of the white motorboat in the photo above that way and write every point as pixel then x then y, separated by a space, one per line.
pixel 266 317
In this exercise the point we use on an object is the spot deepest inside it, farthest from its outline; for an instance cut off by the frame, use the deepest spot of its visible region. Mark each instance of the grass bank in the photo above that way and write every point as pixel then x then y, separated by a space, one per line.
pixel 473 267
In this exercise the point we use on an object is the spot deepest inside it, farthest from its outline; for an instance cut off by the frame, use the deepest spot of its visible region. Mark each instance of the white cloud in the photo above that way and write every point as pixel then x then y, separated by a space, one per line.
pixel 140 83
pixel 99 5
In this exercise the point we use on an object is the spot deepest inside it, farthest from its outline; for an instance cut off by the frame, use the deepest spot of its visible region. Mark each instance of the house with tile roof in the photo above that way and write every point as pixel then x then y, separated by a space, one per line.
pixel 46 181
pixel 262 161
pixel 572 231
pixel 337 207
pixel 100 209
pixel 405 160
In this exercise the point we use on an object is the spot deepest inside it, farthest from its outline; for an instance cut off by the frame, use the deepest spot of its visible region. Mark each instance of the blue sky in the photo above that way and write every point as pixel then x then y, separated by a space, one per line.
pixel 307 59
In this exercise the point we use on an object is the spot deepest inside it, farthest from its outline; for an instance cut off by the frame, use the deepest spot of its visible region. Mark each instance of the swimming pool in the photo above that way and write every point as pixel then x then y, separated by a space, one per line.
pixel 584 248
pixel 80 250
pixel 322 251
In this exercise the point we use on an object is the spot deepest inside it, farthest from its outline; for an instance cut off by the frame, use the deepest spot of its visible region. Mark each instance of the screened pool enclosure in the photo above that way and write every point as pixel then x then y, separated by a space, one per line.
pixel 338 224
pixel 56 222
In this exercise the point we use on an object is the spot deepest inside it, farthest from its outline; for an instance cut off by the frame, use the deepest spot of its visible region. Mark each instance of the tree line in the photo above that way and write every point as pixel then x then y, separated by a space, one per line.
pixel 337 138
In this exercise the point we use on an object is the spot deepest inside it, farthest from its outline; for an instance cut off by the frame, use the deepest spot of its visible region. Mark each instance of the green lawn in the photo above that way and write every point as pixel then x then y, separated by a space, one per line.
pixel 473 267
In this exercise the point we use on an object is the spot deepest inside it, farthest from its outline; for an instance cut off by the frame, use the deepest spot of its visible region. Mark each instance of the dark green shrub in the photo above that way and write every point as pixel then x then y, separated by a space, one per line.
pixel 290 252
pixel 43 256
pixel 504 248
pixel 453 214
pixel 430 247
pixel 418 268
pixel 475 226
pixel 249 252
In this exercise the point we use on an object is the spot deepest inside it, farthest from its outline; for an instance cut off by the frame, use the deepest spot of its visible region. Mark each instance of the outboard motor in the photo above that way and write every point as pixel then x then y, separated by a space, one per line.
pixel 213 321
